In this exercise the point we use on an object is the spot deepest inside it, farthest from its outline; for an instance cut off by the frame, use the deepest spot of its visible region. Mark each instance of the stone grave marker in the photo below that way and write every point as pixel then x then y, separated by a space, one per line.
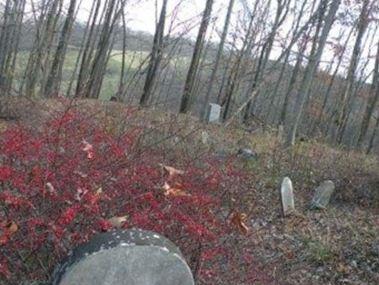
pixel 247 153
pixel 205 137
pixel 214 113
pixel 124 257
pixel 281 133
pixel 322 195
pixel 286 191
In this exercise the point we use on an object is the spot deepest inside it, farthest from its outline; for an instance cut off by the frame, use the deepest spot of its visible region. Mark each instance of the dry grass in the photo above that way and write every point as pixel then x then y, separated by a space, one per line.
pixel 337 246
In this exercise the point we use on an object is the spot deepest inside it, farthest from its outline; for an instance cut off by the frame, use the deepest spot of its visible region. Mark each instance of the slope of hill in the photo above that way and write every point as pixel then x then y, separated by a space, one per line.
pixel 338 245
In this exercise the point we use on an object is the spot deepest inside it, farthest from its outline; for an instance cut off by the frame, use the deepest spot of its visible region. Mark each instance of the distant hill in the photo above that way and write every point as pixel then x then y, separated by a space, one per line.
pixel 136 40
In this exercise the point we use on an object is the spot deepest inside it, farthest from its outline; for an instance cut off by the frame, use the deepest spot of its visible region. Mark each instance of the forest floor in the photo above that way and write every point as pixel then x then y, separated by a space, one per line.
pixel 339 245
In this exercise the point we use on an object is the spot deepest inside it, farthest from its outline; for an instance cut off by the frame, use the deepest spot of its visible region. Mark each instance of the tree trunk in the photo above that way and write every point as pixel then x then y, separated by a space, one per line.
pixel 373 137
pixel 371 104
pixel 87 54
pixel 9 42
pixel 220 52
pixel 155 57
pixel 294 75
pixel 55 75
pixel 101 56
pixel 185 104
pixel 280 16
pixel 42 46
pixel 311 68
pixel 351 77
pixel 81 50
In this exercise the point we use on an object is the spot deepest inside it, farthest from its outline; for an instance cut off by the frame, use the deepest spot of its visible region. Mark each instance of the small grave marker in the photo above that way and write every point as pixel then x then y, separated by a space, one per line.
pixel 204 137
pixel 247 153
pixel 214 113
pixel 281 133
pixel 322 195
pixel 286 191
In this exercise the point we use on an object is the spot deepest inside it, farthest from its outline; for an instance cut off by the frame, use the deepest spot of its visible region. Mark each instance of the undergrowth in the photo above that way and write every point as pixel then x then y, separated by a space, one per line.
pixel 63 181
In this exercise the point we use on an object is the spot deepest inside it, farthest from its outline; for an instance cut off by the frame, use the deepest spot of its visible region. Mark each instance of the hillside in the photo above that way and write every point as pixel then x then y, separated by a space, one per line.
pixel 239 139
pixel 338 245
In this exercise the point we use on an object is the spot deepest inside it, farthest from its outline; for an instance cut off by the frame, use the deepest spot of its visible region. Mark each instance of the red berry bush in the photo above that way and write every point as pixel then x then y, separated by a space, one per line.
pixel 71 178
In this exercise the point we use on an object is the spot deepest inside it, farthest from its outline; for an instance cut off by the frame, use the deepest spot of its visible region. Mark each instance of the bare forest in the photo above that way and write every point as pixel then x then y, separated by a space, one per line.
pixel 105 115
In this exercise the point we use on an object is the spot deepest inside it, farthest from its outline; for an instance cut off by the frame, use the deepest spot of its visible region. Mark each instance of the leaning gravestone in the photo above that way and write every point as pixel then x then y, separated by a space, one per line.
pixel 322 195
pixel 214 113
pixel 286 191
pixel 121 257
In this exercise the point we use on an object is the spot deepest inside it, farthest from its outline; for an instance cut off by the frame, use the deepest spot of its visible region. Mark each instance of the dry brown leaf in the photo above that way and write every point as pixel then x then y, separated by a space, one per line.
pixel 88 148
pixel 117 222
pixel 50 188
pixel 172 172
pixel 81 174
pixel 171 191
pixel 288 253
pixel 12 227
pixel 239 220
pixel 99 191
pixel 342 268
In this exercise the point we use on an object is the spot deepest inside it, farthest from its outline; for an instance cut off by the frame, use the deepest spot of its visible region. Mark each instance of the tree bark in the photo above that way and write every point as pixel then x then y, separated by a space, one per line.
pixel 55 75
pixel 220 52
pixel 371 104
pixel 351 77
pixel 155 57
pixel 311 68
pixel 185 104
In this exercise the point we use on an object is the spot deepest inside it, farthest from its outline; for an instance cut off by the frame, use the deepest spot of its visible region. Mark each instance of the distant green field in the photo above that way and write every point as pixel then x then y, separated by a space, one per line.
pixel 133 62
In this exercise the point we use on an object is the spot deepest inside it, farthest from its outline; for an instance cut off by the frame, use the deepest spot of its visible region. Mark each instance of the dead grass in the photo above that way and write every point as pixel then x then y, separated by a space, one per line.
pixel 337 246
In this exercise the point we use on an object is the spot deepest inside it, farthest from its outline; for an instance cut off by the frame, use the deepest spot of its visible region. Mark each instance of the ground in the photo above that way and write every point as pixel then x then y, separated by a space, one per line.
pixel 338 245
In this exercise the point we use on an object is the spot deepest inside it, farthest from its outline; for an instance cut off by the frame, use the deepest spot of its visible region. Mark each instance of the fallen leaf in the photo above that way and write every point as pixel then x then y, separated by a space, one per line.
pixel 3 239
pixel 172 172
pixel 88 148
pixel 117 222
pixel 239 220
pixel 342 268
pixel 80 194
pixel 99 191
pixel 12 227
pixel 9 229
pixel 50 188
pixel 171 191
pixel 81 174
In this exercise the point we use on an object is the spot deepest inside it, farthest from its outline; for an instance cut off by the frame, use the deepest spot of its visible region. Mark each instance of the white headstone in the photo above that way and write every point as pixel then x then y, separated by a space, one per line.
pixel 281 133
pixel 322 195
pixel 214 113
pixel 204 137
pixel 288 203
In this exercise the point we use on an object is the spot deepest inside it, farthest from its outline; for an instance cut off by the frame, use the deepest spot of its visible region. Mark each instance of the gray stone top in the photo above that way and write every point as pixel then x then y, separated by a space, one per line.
pixel 132 257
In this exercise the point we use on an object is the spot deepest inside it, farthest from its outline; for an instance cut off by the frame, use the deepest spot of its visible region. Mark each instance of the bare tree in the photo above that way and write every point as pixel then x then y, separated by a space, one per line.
pixel 312 66
pixel 371 104
pixel 281 14
pixel 9 42
pixel 218 58
pixel 193 69
pixel 53 82
pixel 46 27
pixel 155 57
pixel 348 92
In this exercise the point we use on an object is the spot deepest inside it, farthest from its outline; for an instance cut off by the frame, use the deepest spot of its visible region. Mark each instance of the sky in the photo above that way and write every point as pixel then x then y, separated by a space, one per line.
pixel 142 15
